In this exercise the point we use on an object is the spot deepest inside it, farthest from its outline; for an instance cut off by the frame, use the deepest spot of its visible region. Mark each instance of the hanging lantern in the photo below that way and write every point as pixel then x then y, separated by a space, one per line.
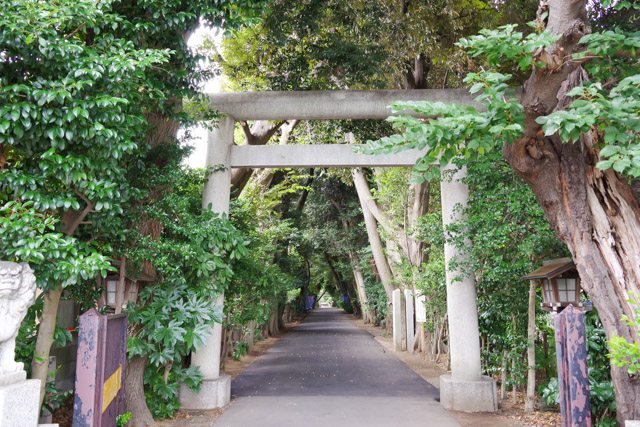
pixel 131 286
pixel 560 284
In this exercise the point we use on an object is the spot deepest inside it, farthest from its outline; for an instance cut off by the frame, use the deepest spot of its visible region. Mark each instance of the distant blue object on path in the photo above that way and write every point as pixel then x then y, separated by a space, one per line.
pixel 310 299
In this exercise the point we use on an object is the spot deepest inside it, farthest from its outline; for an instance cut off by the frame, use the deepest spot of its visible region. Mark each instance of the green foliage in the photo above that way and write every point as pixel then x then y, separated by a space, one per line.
pixel 505 235
pixel 551 392
pixel 613 111
pixel 193 260
pixel 78 81
pixel 57 259
pixel 601 392
pixel 68 117
pixel 161 395
pixel 329 44
pixel 608 103
pixel 605 109
pixel 462 130
pixel 457 129
pixel 622 352
pixel 348 308
pixel 53 397
pixel 432 284
pixel 240 349
pixel 267 273
pixel 123 419
pixel 377 297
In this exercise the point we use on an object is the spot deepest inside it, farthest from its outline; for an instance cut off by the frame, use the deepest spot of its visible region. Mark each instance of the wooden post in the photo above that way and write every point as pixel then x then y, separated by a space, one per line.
pixel 120 288
pixel 99 393
pixel 571 354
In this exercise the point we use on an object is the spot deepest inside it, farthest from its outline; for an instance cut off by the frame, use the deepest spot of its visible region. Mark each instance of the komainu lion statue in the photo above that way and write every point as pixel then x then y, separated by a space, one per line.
pixel 17 294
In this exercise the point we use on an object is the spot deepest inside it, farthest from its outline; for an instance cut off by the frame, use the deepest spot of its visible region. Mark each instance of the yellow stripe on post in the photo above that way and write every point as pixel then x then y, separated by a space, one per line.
pixel 111 387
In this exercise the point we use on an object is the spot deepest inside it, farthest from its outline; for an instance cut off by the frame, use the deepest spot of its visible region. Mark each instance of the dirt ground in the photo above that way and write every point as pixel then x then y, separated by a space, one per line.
pixel 509 414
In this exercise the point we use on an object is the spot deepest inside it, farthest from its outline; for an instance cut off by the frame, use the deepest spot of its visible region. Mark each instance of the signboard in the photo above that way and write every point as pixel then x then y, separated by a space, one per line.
pixel 99 395
pixel 421 310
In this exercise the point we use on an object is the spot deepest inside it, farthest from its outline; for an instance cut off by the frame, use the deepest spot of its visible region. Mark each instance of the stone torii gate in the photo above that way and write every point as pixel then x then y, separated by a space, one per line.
pixel 465 389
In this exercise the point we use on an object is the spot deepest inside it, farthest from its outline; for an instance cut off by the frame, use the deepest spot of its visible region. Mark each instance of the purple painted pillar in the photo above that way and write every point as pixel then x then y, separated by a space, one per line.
pixel 573 380
pixel 99 392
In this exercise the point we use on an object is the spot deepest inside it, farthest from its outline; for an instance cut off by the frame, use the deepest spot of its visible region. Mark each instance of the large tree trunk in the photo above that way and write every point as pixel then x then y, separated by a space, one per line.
pixel 134 400
pixel 163 130
pixel 593 211
pixel 374 237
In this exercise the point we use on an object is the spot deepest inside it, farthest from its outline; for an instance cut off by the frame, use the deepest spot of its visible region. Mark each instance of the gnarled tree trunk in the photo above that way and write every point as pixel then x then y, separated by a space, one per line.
pixel 134 400
pixel 593 211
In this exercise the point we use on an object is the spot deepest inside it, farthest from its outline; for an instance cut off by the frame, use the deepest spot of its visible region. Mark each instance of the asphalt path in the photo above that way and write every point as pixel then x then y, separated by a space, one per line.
pixel 328 372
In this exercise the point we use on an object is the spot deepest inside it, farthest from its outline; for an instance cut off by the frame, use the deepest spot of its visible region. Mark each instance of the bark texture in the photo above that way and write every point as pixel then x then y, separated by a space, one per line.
pixel 134 401
pixel 593 211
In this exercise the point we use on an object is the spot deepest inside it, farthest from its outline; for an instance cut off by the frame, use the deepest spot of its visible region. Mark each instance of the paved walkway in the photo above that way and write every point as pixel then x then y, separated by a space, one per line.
pixel 328 372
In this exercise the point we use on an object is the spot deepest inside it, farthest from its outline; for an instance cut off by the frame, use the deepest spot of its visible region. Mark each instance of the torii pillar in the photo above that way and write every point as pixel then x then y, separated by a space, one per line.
pixel 215 391
pixel 465 388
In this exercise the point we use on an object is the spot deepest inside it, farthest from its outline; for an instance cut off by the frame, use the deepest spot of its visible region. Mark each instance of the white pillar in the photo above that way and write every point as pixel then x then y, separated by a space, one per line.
pixel 465 389
pixel 408 298
pixel 217 188
pixel 396 301
pixel 215 391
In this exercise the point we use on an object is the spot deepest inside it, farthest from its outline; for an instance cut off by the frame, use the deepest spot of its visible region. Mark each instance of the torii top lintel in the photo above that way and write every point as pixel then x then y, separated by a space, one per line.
pixel 328 105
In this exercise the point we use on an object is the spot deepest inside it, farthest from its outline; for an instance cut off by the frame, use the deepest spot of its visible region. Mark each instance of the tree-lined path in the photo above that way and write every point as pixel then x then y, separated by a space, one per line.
pixel 328 372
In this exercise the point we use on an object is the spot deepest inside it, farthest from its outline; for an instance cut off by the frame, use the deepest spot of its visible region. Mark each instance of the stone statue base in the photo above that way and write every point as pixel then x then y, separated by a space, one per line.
pixel 19 400
pixel 19 397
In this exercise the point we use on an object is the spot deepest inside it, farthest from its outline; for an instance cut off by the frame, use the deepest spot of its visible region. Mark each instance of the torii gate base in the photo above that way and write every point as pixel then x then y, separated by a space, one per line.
pixel 465 389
